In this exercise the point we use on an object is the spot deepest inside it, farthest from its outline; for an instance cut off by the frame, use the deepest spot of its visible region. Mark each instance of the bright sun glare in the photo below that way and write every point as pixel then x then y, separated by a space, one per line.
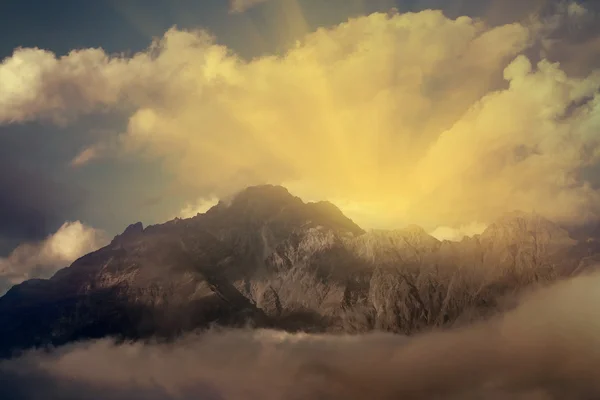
pixel 392 116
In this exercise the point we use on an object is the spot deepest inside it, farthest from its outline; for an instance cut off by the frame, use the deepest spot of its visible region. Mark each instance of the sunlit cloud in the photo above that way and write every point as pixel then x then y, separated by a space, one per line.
pixel 43 259
pixel 404 118
pixel 199 207
pixel 457 234
pixel 86 155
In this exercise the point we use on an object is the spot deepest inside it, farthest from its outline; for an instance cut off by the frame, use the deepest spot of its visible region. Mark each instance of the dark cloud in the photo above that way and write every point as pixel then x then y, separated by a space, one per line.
pixel 576 43
pixel 32 204
pixel 545 348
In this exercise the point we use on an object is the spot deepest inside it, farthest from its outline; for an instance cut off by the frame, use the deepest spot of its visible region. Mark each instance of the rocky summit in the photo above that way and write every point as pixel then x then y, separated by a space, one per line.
pixel 265 258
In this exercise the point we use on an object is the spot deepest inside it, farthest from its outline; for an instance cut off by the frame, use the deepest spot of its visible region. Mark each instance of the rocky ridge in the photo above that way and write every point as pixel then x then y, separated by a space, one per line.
pixel 266 258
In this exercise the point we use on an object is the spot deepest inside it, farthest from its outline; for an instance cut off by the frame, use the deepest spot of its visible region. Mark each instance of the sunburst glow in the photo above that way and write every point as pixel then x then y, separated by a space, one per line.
pixel 397 117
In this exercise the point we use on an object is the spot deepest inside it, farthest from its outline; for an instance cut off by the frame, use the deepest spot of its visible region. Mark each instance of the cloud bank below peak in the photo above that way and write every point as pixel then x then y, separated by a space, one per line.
pixel 409 117
pixel 539 350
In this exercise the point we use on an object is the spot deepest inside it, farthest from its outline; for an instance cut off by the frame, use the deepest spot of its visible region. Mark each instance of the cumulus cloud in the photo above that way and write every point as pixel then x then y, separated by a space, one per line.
pixel 413 118
pixel 545 348
pixel 41 260
pixel 36 84
pixel 238 6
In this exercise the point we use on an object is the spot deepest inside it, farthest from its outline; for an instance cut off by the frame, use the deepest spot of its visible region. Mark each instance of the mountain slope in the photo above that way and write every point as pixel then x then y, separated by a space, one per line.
pixel 266 258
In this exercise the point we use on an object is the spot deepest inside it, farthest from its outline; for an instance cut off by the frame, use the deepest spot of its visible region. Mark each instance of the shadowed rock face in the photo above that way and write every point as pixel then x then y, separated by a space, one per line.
pixel 266 258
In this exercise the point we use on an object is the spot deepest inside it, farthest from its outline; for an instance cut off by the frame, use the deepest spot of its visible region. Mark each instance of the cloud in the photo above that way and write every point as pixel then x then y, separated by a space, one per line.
pixel 416 118
pixel 32 203
pixel 39 85
pixel 86 155
pixel 199 207
pixel 576 10
pixel 43 259
pixel 457 234
pixel 545 348
pixel 35 83
pixel 239 6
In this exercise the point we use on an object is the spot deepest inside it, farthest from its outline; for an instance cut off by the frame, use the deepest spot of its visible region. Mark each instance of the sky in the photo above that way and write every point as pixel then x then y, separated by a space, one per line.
pixel 443 113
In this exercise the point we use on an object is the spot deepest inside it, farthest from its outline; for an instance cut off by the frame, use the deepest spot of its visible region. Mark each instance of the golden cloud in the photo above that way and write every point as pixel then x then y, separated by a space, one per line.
pixel 41 260
pixel 404 117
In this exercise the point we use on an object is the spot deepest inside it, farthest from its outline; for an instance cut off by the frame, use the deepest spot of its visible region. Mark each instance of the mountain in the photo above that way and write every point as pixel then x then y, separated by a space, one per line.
pixel 266 258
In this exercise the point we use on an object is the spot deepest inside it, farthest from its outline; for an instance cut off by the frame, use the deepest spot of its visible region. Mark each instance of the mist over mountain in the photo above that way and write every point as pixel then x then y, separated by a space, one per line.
pixel 266 259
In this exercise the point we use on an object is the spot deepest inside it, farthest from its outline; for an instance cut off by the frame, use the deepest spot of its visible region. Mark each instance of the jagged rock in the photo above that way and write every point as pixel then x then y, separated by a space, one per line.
pixel 130 232
pixel 270 303
pixel 265 258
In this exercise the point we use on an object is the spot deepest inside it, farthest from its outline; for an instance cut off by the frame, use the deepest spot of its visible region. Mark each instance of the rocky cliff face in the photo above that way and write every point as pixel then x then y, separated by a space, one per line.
pixel 266 258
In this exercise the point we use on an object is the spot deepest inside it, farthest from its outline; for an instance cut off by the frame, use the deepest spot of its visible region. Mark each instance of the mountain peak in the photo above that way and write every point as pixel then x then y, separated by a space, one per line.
pixel 519 226
pixel 133 229
pixel 129 232
pixel 415 230
pixel 270 204
pixel 264 253
pixel 261 196
pixel 519 221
